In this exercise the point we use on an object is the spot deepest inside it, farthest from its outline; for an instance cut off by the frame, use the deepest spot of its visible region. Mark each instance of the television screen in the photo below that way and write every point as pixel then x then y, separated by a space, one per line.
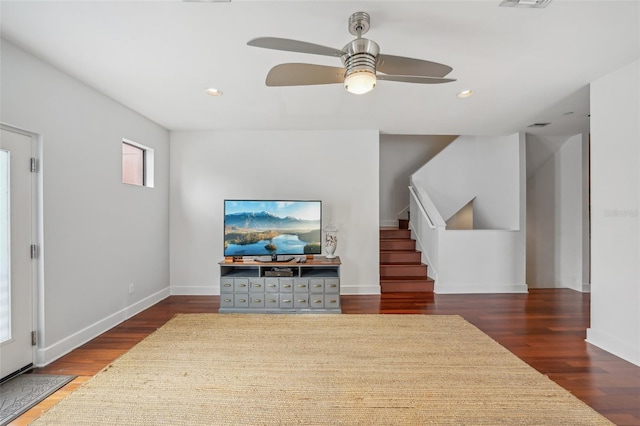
pixel 272 227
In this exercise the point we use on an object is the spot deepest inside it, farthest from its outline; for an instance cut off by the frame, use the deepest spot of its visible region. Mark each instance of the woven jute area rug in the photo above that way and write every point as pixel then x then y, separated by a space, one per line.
pixel 253 369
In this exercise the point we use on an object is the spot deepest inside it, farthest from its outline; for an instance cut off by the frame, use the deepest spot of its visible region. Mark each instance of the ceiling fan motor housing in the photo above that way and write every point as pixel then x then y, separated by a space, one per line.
pixel 361 56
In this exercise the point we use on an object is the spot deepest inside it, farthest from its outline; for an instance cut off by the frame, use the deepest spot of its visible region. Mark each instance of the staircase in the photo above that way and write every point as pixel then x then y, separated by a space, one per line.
pixel 401 269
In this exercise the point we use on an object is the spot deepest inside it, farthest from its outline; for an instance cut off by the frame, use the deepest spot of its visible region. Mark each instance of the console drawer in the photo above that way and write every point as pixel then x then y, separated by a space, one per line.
pixel 331 301
pixel 316 285
pixel 256 300
pixel 331 285
pixel 226 285
pixel 241 300
pixel 286 300
pixel 240 285
pixel 271 285
pixel 271 301
pixel 300 300
pixel 226 301
pixel 256 285
pixel 316 301
pixel 286 285
pixel 301 286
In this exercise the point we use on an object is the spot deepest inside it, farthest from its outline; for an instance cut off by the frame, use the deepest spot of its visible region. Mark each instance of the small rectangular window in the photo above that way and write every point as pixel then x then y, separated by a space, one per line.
pixel 137 164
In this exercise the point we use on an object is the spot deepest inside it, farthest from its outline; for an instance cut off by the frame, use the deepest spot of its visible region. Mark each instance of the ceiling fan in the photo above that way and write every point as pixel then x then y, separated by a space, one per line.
pixel 363 64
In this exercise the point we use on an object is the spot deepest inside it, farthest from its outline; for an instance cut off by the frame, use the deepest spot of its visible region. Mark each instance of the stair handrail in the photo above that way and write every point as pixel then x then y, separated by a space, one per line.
pixel 426 205
pixel 414 194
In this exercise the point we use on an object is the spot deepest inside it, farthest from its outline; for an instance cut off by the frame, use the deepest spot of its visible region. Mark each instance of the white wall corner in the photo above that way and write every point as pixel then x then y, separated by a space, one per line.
pixel 625 350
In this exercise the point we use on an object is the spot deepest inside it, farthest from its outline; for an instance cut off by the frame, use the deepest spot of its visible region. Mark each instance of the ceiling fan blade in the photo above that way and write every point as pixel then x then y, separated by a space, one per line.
pixel 400 65
pixel 304 75
pixel 294 46
pixel 414 79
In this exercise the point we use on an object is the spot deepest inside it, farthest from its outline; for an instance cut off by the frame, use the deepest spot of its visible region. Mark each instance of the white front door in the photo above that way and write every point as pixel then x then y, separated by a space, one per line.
pixel 17 269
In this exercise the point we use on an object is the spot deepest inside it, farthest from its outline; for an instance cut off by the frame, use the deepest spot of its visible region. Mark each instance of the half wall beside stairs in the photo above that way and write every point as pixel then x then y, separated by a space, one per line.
pixel 490 258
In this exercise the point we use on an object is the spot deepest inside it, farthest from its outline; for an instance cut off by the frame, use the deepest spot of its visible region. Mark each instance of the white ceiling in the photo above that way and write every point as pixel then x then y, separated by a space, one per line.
pixel 158 57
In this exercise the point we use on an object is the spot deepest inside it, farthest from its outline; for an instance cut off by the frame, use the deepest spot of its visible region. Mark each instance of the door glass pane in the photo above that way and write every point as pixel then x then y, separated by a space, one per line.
pixel 5 261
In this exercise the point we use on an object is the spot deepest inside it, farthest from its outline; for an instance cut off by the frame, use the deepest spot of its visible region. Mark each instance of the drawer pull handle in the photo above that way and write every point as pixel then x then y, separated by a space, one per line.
pixel 287 286
pixel 272 300
pixel 257 285
pixel 317 285
pixel 242 285
pixel 302 285
pixel 302 301
pixel 317 301
pixel 227 285
pixel 272 285
pixel 257 301
pixel 243 300
pixel 333 285
pixel 333 301
pixel 227 300
pixel 286 301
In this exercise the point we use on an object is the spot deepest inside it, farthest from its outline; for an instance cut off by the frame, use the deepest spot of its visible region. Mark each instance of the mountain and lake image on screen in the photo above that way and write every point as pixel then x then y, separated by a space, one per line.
pixel 260 227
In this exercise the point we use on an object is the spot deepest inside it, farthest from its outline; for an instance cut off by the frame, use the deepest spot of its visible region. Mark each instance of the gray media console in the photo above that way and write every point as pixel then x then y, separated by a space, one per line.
pixel 280 287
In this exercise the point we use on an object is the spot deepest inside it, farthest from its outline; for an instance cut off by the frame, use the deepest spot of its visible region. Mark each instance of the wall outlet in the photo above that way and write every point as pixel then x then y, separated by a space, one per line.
pixel 132 288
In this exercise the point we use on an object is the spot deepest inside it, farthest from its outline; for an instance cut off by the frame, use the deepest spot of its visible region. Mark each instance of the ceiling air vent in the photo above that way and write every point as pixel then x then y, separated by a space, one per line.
pixel 525 3
pixel 538 125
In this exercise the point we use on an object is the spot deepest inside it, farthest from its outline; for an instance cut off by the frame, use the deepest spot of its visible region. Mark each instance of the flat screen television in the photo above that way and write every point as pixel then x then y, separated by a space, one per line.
pixel 272 227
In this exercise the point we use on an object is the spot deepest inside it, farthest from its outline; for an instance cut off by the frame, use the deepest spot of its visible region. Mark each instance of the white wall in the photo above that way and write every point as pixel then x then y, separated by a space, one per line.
pixel 400 157
pixel 479 260
pixel 99 234
pixel 449 176
pixel 557 217
pixel 338 167
pixel 482 168
pixel 497 183
pixel 615 215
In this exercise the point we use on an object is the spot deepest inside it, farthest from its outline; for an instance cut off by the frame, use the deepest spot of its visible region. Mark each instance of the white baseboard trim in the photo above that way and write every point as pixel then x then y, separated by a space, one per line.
pixel 195 290
pixel 625 350
pixel 358 289
pixel 45 356
pixel 440 288
pixel 388 224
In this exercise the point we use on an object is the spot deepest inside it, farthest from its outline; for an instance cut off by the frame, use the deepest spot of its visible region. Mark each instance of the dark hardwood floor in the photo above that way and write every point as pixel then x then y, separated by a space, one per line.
pixel 545 328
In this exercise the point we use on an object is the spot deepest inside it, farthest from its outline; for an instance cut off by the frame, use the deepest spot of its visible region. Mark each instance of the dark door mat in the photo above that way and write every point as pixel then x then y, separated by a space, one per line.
pixel 26 390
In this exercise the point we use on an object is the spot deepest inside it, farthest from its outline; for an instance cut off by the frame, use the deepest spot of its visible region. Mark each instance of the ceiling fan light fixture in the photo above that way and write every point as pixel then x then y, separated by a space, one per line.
pixel 360 82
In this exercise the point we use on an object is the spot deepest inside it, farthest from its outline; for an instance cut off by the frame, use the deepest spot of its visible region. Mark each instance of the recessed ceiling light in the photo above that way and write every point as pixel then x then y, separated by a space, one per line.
pixel 525 3
pixel 214 92
pixel 465 94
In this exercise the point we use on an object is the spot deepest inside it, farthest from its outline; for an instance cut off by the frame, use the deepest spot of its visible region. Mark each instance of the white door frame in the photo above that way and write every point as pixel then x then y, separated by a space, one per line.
pixel 37 290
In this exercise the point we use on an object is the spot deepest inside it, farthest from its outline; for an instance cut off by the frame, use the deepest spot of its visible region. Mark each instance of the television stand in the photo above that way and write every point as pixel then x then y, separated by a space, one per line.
pixel 263 287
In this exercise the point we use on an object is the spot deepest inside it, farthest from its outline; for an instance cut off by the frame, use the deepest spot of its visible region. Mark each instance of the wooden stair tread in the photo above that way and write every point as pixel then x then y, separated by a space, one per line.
pixel 401 267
